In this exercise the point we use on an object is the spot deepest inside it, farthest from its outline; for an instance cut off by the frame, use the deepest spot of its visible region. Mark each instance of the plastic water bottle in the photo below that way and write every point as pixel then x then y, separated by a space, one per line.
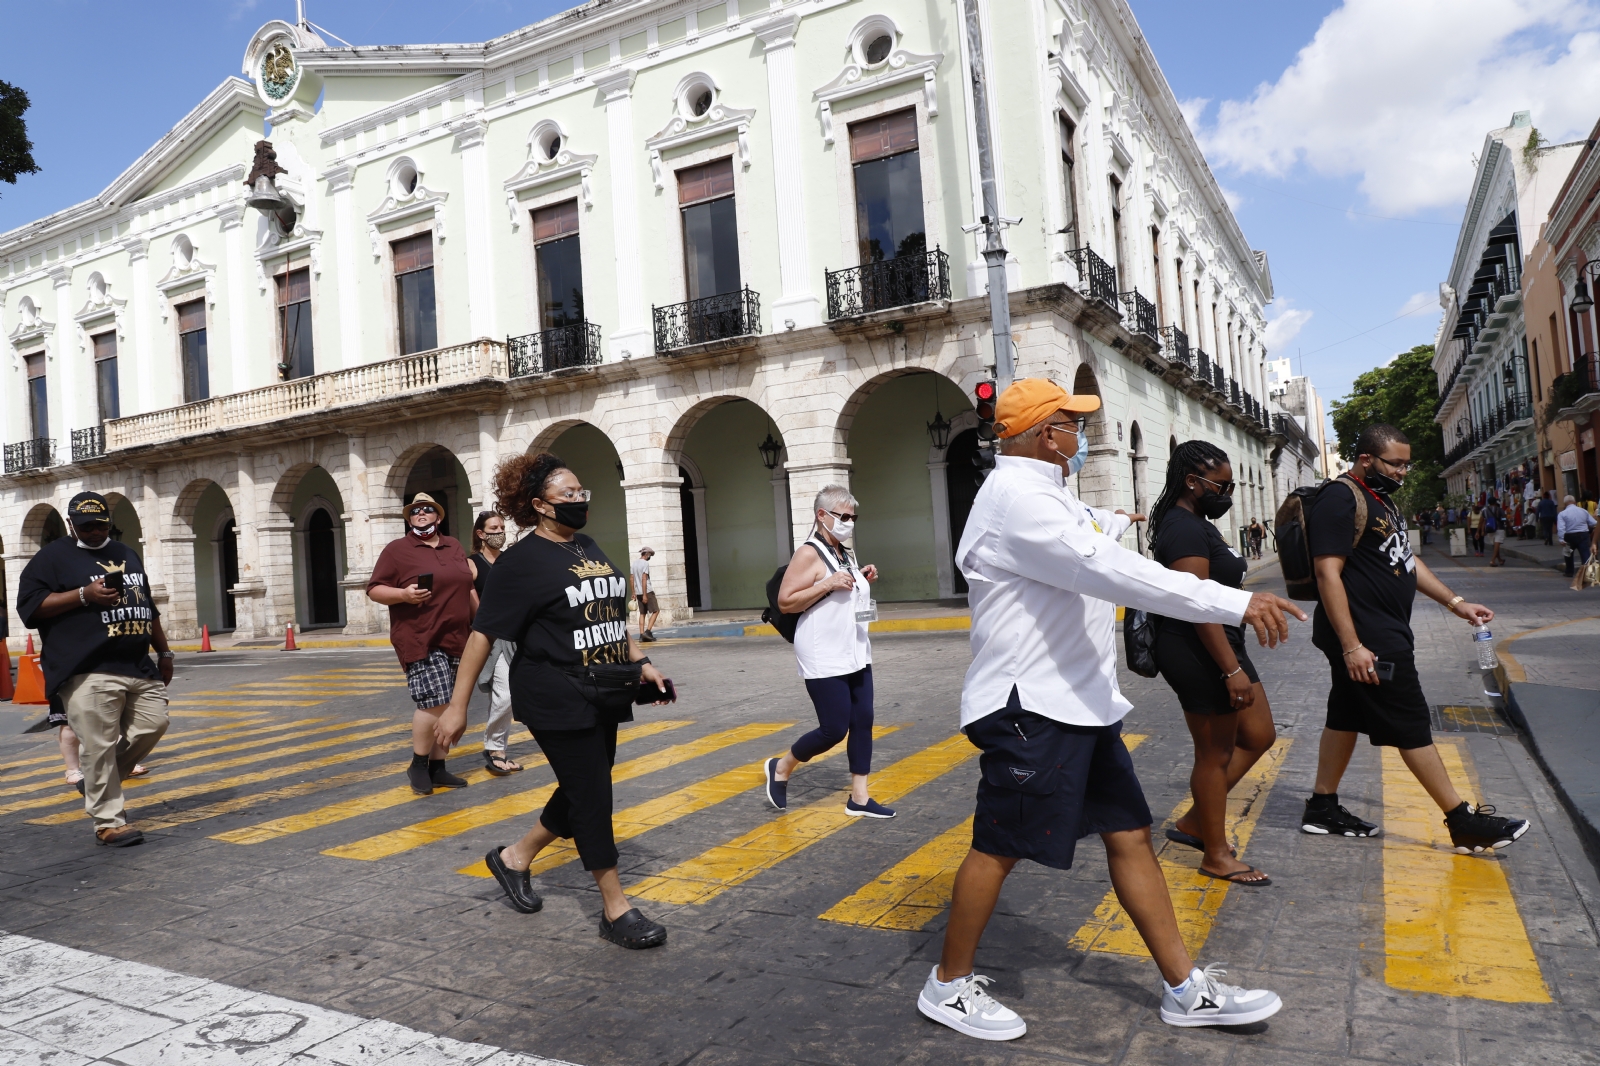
pixel 1483 641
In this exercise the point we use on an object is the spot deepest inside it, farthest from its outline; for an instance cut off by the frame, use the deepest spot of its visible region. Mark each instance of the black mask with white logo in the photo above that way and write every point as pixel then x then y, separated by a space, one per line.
pixel 1381 482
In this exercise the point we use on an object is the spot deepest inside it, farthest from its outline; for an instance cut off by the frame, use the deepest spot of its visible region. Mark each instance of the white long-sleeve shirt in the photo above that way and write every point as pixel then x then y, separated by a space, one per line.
pixel 1042 583
pixel 1573 519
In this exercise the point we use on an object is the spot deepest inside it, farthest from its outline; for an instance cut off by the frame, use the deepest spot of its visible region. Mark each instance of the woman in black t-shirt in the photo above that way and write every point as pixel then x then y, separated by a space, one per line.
pixel 1223 702
pixel 557 596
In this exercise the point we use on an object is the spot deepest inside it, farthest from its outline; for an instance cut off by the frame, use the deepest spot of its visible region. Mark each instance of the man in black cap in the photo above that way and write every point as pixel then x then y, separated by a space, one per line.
pixel 87 596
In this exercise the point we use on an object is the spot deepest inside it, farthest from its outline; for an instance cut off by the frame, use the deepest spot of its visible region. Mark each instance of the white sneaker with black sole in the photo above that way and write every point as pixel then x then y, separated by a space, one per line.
pixel 965 1006
pixel 1207 1001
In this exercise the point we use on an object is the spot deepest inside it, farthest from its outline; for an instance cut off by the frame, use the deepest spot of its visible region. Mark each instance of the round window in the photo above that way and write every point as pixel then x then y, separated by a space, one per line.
pixel 553 149
pixel 700 102
pixel 878 49
pixel 405 180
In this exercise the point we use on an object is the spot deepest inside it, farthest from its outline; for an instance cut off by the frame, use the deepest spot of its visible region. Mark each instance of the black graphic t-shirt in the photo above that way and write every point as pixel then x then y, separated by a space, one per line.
pixel 1380 575
pixel 565 607
pixel 92 639
pixel 1183 534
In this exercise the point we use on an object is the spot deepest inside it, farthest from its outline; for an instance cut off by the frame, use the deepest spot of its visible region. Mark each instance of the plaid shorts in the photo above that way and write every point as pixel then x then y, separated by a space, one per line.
pixel 432 680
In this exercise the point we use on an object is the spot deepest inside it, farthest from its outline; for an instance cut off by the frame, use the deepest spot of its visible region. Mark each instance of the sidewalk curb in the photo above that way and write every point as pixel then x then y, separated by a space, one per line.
pixel 1562 760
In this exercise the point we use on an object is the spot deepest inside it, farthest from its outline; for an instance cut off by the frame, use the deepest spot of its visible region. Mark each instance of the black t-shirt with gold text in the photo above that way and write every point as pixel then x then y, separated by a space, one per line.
pixel 92 639
pixel 565 607
pixel 1380 575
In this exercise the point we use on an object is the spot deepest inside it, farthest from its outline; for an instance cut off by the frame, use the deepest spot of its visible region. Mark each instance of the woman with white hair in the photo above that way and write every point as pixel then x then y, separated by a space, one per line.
pixel 832 595
pixel 1573 526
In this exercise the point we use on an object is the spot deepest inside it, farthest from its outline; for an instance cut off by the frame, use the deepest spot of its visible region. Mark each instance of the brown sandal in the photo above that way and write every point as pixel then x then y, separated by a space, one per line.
pixel 498 764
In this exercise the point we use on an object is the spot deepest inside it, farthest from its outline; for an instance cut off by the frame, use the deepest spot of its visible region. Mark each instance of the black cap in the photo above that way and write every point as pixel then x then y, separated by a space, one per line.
pixel 88 507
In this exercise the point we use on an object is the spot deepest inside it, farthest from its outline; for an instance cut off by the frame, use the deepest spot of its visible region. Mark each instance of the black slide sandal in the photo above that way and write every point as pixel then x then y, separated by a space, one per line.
pixel 1189 840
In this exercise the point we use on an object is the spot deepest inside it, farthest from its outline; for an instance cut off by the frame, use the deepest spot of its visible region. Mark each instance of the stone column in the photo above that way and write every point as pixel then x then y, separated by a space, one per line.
pixel 655 517
pixel 180 617
pixel 1095 484
pixel 632 333
pixel 360 613
pixel 340 180
pixel 250 592
pixel 482 321
pixel 782 524
pixel 943 550
pixel 275 542
pixel 14 564
pixel 806 479
pixel 798 303
pixel 242 374
pixel 154 523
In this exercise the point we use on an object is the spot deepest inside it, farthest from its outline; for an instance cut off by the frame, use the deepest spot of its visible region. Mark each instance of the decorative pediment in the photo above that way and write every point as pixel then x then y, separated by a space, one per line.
pixel 188 270
pixel 855 79
pixel 1119 149
pixel 1071 87
pixel 100 304
pixel 276 244
pixel 31 325
pixel 551 161
pixel 718 120
pixel 399 206
pixel 1157 201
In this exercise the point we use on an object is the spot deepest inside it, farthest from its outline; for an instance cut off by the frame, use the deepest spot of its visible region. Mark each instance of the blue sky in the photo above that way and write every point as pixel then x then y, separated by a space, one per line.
pixel 1344 132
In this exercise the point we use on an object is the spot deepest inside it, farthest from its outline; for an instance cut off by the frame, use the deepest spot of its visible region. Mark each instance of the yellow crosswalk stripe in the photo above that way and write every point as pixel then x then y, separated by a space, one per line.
pixel 393 797
pixel 225 764
pixel 1450 923
pixel 186 713
pixel 916 890
pixel 520 803
pixel 187 738
pixel 708 875
pixel 186 703
pixel 1195 897
pixel 304 788
pixel 305 689
pixel 664 810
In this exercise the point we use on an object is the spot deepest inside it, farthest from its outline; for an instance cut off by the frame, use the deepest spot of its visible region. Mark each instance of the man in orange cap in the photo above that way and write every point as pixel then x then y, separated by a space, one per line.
pixel 1041 702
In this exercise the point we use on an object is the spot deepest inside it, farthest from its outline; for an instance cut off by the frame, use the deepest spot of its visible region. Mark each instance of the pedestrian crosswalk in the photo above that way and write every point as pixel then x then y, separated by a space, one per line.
pixel 280 775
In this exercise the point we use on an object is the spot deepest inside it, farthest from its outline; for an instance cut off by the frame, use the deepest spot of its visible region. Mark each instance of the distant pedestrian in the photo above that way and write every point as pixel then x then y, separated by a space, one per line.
pixel 1494 525
pixel 576 675
pixel 1475 529
pixel 1363 626
pixel 72 755
pixel 1206 664
pixel 87 596
pixel 426 582
pixel 832 594
pixel 644 594
pixel 1574 526
pixel 488 541
pixel 1547 516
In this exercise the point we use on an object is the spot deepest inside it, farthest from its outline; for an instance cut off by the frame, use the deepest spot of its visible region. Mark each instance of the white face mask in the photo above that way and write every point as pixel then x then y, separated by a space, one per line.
pixel 842 529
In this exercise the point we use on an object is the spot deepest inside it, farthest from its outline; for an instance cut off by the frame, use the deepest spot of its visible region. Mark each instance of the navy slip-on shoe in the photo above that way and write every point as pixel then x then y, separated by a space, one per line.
pixel 870 809
pixel 777 791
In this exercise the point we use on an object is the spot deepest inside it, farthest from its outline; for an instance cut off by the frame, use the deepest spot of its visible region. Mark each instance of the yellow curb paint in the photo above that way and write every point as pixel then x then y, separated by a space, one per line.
pixel 1196 899
pixel 1513 668
pixel 713 872
pixel 191 771
pixel 1450 924
pixel 917 889
pixel 248 778
pixel 187 739
pixel 210 714
pixel 185 703
pixel 390 797
pixel 664 810
pixel 457 822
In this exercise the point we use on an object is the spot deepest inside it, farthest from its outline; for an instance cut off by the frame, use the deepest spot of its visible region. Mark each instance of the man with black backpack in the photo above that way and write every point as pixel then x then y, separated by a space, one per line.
pixel 1366 579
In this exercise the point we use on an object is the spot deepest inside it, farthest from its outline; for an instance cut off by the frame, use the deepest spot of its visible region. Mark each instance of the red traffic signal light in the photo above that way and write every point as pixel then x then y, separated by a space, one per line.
pixel 984 396
pixel 984 391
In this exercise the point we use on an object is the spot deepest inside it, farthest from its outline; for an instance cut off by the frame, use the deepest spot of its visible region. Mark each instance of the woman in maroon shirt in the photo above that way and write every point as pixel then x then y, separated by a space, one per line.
pixel 424 580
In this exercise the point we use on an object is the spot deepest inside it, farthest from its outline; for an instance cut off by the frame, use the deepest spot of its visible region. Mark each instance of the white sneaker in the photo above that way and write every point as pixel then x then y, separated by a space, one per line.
pixel 964 1006
pixel 1207 1001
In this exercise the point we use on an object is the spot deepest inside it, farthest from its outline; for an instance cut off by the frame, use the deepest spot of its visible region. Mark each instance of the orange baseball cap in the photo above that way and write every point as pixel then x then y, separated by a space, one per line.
pixel 1032 400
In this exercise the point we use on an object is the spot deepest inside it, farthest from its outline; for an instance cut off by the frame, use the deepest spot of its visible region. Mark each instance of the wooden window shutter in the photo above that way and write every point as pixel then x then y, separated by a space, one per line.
pixel 35 364
pixel 105 346
pixel 191 316
pixel 708 182
pixel 413 253
pixel 883 136
pixel 558 220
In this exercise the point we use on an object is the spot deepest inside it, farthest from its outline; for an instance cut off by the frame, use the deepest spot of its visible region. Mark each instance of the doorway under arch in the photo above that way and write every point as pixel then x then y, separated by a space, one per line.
pixel 589 453
pixel 216 560
pixel 1095 478
pixel 746 534
pixel 440 474
pixel 319 550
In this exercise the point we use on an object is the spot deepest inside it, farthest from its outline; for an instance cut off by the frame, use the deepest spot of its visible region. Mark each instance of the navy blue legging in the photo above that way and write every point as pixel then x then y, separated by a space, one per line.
pixel 844 705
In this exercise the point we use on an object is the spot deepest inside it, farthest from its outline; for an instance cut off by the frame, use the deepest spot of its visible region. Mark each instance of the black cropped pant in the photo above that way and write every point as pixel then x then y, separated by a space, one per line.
pixel 580 808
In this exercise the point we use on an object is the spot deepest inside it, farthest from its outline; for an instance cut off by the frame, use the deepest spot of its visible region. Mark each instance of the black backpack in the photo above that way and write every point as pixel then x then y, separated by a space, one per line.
pixel 1294 546
pixel 785 623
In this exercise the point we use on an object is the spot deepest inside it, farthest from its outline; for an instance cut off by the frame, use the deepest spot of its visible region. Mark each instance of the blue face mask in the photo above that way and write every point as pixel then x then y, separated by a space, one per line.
pixel 1075 464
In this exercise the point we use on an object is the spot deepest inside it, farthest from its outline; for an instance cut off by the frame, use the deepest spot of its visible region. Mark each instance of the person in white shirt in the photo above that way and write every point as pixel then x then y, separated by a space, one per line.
pixel 645 594
pixel 1573 526
pixel 1041 701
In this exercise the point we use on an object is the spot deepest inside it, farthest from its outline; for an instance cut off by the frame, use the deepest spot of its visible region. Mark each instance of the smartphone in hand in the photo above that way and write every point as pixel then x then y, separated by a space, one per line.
pixel 114 580
pixel 425 581
pixel 648 693
pixel 1385 671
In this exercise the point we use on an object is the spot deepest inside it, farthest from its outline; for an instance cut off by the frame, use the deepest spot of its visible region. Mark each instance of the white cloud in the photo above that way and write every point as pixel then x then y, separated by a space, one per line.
pixel 1234 200
pixel 1401 94
pixel 1285 325
pixel 1194 110
pixel 1418 302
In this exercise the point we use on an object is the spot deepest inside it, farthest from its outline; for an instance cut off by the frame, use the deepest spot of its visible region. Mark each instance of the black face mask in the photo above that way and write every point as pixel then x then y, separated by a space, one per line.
pixel 1215 505
pixel 575 515
pixel 1381 482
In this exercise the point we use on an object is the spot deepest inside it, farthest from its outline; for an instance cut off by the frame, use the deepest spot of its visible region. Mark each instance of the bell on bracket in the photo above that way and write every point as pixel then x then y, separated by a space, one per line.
pixel 264 194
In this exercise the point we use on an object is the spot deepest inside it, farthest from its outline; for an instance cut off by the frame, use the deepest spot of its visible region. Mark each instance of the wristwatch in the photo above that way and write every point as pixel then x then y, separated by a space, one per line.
pixel 166 655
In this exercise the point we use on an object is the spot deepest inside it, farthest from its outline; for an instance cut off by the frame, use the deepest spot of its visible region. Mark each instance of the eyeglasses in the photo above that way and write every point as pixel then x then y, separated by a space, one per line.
pixel 424 509
pixel 843 517
pixel 1225 488
pixel 1402 465
pixel 1077 425
pixel 572 496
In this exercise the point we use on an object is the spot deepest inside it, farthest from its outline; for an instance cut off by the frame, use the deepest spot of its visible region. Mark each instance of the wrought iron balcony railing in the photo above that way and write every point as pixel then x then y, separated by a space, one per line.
pixel 562 348
pixel 1491 424
pixel 1202 365
pixel 30 454
pixel 1097 279
pixel 1175 343
pixel 1569 390
pixel 1141 311
pixel 88 443
pixel 1219 379
pixel 711 318
pixel 888 283
pixel 1233 393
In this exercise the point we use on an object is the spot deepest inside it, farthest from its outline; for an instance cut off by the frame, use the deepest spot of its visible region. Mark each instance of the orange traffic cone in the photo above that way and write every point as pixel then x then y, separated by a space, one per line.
pixel 205 639
pixel 29 649
pixel 288 639
pixel 6 689
pixel 30 680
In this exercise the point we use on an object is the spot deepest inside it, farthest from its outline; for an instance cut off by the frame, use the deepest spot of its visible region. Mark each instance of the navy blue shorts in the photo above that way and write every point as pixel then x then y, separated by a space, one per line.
pixel 1047 785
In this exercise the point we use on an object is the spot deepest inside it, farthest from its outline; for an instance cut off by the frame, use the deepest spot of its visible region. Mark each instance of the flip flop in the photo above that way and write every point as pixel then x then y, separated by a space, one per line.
pixel 1189 840
pixel 1234 877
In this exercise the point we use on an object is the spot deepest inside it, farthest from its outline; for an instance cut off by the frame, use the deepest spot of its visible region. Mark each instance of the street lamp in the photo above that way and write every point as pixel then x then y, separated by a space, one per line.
pixel 1581 300
pixel 769 450
pixel 939 430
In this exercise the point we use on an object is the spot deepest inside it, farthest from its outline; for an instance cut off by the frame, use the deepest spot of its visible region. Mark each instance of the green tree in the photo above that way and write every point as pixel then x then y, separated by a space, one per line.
pixel 1404 394
pixel 16 151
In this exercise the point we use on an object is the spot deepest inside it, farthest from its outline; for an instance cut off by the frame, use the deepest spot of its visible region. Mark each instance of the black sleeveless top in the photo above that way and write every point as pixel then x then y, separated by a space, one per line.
pixel 484 566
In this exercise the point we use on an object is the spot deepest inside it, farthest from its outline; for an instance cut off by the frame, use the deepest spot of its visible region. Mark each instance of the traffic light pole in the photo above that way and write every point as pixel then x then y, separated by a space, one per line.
pixel 994 249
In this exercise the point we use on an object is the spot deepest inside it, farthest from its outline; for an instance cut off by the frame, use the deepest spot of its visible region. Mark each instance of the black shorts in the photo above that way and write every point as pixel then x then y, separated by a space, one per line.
pixel 1046 785
pixel 1193 674
pixel 1393 714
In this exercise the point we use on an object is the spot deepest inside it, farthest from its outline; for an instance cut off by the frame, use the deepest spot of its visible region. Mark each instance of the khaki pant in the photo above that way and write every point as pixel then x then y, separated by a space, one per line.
pixel 118 721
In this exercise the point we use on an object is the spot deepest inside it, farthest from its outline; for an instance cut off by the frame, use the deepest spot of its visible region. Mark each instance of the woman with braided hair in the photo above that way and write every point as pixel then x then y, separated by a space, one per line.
pixel 1223 702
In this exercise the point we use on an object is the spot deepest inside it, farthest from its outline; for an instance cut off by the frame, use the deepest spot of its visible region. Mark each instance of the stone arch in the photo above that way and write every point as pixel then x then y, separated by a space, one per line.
pixel 200 511
pixel 126 525
pixel 592 456
pixel 1095 481
pixel 319 548
pixel 303 487
pixel 435 469
pixel 42 525
pixel 1140 461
